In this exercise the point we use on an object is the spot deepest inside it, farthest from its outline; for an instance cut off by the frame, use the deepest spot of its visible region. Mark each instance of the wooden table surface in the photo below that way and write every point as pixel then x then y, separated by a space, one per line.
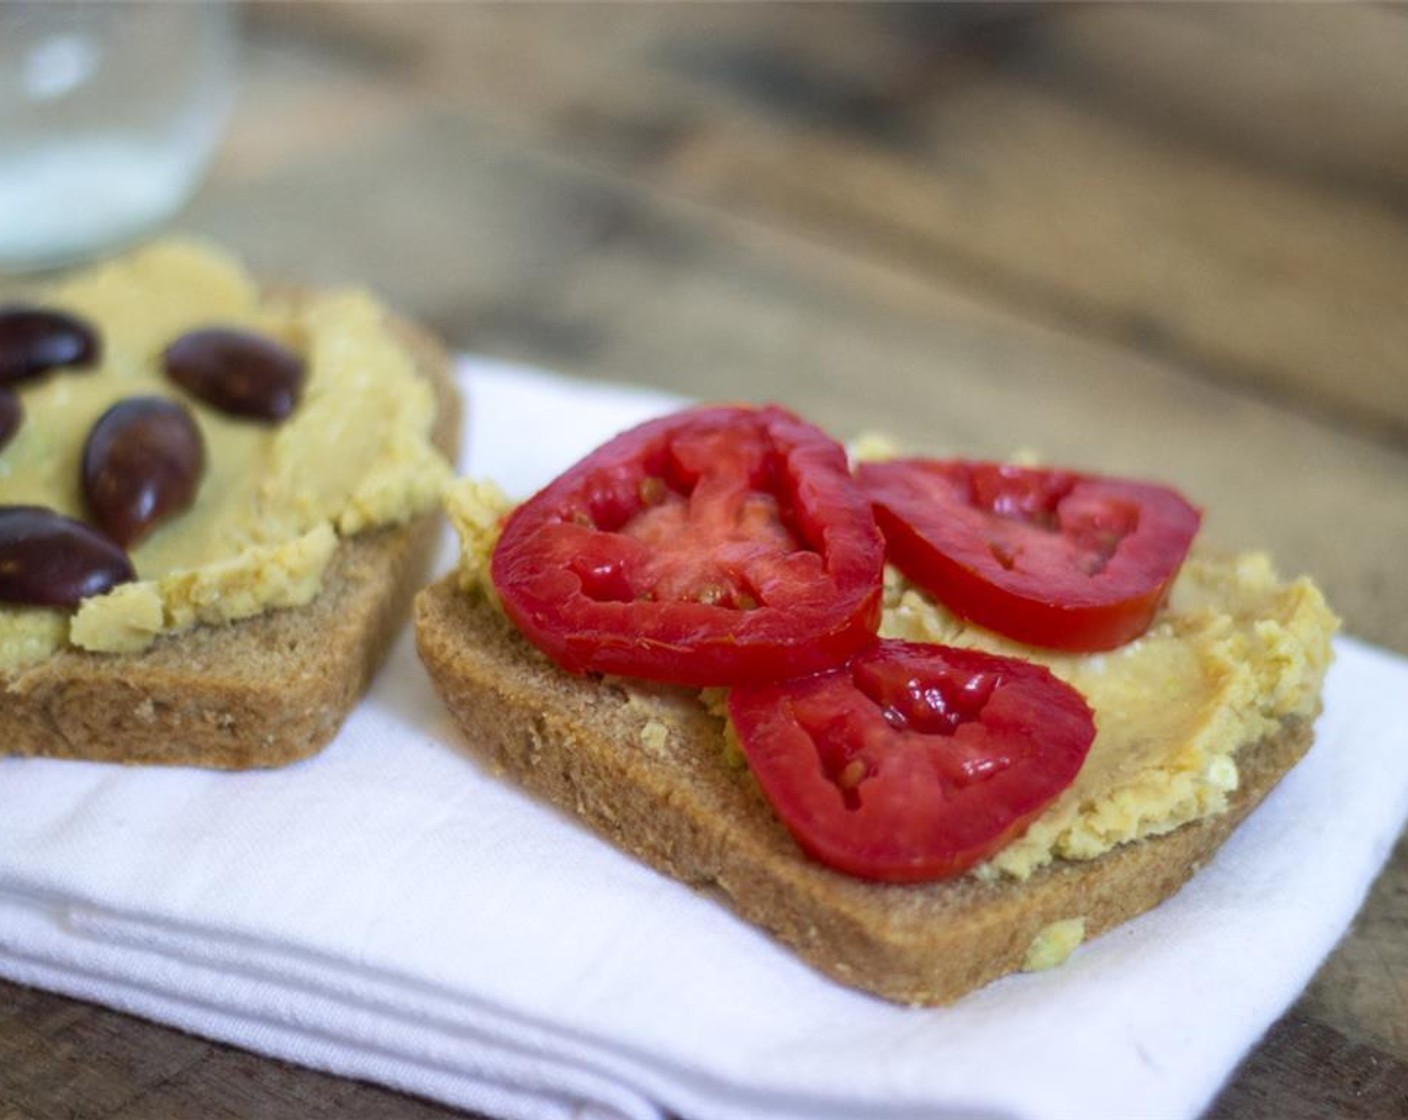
pixel 1169 241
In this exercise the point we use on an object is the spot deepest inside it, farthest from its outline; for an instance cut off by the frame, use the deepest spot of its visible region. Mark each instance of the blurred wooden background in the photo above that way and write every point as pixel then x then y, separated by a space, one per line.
pixel 1167 240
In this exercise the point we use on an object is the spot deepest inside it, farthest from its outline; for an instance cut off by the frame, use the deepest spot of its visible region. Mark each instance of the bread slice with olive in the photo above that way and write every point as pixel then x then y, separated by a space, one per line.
pixel 252 612
pixel 1195 720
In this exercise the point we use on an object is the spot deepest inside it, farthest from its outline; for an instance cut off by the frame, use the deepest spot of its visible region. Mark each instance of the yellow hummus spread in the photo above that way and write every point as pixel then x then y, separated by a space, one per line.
pixel 1053 944
pixel 354 455
pixel 1233 652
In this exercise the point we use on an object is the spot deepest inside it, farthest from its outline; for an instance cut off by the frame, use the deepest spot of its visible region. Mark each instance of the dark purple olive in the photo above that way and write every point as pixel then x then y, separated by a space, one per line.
pixel 48 560
pixel 237 372
pixel 36 339
pixel 11 413
pixel 142 464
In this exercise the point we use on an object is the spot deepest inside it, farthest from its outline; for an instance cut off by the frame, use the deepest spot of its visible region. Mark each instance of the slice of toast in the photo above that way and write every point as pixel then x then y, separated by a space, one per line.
pixel 260 692
pixel 644 766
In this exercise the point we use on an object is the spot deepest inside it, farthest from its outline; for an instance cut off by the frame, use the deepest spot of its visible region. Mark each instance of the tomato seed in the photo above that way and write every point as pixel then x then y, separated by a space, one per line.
pixel 852 774
pixel 652 490
pixel 1003 554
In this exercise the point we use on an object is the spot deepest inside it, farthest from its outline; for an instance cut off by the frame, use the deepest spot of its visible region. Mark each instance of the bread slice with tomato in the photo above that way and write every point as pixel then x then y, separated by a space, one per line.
pixel 688 642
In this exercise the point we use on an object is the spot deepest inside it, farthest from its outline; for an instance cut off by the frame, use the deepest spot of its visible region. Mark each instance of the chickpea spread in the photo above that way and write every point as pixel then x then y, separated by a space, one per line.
pixel 354 455
pixel 1054 944
pixel 1232 653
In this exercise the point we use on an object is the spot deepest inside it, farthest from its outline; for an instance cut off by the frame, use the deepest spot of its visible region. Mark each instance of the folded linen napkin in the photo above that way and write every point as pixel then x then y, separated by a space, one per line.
pixel 390 911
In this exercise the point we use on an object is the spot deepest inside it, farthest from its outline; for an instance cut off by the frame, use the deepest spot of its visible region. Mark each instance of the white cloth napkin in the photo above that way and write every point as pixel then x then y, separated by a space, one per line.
pixel 390 911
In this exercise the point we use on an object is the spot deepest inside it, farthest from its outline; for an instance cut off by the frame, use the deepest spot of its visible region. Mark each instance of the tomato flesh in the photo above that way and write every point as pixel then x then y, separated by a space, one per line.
pixel 912 762
pixel 1051 558
pixel 716 545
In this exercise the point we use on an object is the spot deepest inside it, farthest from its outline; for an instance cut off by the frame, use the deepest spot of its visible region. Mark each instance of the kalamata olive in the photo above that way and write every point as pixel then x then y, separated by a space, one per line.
pixel 11 413
pixel 237 372
pixel 48 560
pixel 142 463
pixel 36 339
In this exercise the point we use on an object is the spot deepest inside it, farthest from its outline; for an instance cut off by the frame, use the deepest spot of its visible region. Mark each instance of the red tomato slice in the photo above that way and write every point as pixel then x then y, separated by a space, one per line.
pixel 713 546
pixel 1051 558
pixel 912 762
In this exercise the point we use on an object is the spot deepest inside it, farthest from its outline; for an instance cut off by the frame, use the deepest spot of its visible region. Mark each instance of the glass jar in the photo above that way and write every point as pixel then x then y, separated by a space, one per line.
pixel 109 116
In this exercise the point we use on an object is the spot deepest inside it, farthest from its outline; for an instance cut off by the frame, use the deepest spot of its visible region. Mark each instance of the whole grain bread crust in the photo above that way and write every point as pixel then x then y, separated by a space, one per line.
pixel 644 767
pixel 260 692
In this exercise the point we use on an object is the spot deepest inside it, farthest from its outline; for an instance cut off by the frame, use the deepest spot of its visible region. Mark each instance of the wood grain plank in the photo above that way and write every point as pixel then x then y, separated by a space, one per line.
pixel 1362 989
pixel 58 1060
pixel 1278 1081
pixel 61 1059
pixel 1313 91
pixel 1055 207
pixel 299 105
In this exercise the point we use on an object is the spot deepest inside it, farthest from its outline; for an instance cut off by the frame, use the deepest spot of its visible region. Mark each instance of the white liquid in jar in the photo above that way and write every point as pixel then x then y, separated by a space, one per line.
pixel 56 202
